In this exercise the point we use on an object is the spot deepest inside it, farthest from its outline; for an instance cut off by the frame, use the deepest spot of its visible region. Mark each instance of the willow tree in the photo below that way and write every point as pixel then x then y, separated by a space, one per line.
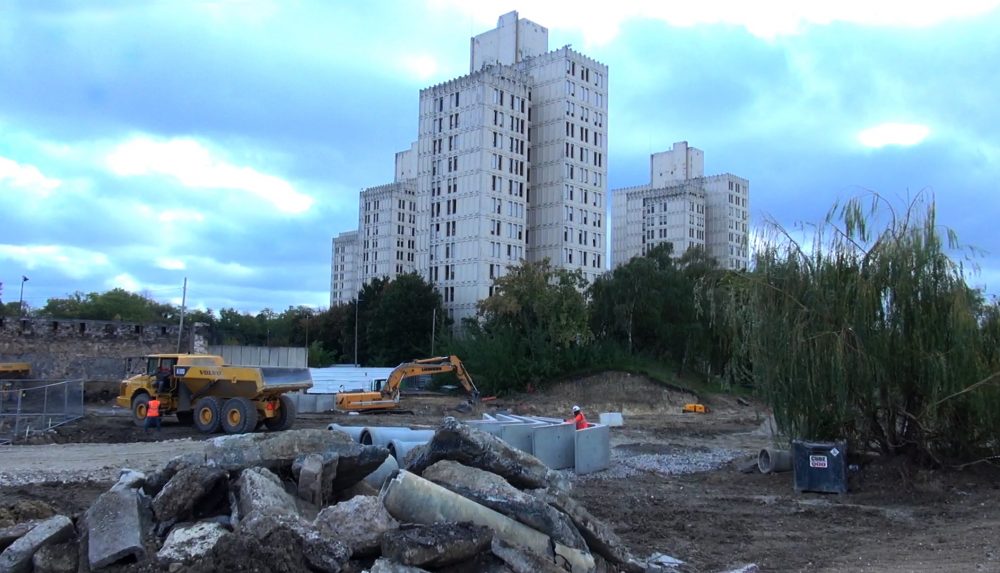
pixel 869 332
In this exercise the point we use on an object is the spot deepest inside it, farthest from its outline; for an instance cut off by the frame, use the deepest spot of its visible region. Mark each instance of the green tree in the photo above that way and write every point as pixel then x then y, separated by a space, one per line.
pixel 399 320
pixel 871 334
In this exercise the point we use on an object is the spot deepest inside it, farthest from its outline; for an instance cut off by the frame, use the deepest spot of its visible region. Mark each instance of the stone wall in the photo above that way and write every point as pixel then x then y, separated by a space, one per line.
pixel 88 349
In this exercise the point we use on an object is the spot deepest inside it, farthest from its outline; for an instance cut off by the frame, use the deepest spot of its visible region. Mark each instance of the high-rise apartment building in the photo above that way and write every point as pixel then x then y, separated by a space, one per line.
pixel 682 207
pixel 510 164
pixel 344 280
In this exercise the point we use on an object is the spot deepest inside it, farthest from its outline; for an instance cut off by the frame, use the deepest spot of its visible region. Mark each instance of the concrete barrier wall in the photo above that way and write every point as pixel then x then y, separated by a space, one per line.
pixel 555 445
pixel 592 449
pixel 519 436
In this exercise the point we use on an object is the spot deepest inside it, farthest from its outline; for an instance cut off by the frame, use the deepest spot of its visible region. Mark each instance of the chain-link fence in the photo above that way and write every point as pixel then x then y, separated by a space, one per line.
pixel 28 406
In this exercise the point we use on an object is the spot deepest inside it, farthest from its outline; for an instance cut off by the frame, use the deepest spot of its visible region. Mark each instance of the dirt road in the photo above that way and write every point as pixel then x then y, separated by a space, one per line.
pixel 85 462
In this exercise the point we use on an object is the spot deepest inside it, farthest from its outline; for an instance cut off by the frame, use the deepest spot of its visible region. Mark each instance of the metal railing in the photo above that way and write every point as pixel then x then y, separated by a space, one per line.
pixel 28 406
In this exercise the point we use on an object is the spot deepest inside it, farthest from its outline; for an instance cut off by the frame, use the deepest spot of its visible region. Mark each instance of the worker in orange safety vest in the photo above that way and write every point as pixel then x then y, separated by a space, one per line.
pixel 152 415
pixel 579 419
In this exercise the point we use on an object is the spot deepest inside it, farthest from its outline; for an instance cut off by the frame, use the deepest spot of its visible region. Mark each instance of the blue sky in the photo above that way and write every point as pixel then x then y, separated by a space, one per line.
pixel 227 141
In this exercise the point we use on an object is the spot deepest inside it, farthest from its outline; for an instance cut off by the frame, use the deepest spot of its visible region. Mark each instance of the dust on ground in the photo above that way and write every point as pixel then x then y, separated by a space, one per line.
pixel 686 498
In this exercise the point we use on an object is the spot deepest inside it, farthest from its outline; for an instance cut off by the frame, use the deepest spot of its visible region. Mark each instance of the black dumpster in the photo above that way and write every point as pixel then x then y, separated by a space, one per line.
pixel 820 466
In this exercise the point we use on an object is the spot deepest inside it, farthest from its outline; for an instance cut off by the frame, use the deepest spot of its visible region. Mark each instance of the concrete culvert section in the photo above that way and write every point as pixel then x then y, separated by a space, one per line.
pixel 774 461
pixel 375 436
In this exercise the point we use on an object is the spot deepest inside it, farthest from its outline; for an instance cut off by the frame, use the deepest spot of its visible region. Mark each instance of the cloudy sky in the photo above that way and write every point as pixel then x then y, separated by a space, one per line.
pixel 142 142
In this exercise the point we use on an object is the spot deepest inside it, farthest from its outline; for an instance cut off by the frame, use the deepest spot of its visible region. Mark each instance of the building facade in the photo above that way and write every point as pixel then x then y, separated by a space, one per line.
pixel 682 207
pixel 510 165
pixel 344 283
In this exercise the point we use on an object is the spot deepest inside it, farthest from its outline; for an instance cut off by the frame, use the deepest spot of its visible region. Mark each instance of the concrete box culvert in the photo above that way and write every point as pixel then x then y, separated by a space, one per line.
pixel 774 461
pixel 399 449
pixel 375 436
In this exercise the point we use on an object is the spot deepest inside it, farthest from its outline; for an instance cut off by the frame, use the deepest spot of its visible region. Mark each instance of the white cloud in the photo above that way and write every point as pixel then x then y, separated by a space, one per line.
pixel 170 264
pixel 601 23
pixel 183 215
pixel 26 177
pixel 893 134
pixel 195 166
pixel 123 281
pixel 73 262
pixel 420 66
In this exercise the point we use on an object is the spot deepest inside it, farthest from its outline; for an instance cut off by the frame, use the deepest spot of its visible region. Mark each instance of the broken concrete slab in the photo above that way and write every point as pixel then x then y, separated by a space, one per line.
pixel 321 552
pixel 130 479
pixel 116 523
pixel 521 561
pixel 156 480
pixel 359 523
pixel 495 493
pixel 383 565
pixel 600 538
pixel 437 545
pixel 458 442
pixel 748 568
pixel 310 479
pixel 191 541
pixel 56 558
pixel 262 491
pixel 187 491
pixel 11 534
pixel 17 557
pixel 662 563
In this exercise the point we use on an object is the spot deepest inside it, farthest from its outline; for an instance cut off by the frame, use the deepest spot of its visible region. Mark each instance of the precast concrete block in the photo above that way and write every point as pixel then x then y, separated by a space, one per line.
pixel 490 427
pixel 115 528
pixel 519 436
pixel 325 402
pixel 555 445
pixel 613 419
pixel 307 403
pixel 592 449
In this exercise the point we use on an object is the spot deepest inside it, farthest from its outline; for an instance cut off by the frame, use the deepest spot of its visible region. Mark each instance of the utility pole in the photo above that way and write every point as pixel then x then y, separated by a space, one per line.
pixel 357 303
pixel 434 320
pixel 20 301
pixel 180 329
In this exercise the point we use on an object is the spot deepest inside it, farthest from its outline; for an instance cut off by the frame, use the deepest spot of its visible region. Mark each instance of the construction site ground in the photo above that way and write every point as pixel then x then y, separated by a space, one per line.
pixel 674 486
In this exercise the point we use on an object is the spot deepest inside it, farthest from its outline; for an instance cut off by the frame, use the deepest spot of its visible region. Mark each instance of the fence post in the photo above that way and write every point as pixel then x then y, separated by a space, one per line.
pixel 45 402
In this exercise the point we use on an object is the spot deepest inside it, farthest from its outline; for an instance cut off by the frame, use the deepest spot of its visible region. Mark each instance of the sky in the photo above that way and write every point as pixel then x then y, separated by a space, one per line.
pixel 226 142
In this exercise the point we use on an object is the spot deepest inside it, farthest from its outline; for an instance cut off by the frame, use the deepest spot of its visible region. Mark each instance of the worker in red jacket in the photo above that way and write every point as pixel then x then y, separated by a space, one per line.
pixel 152 415
pixel 579 419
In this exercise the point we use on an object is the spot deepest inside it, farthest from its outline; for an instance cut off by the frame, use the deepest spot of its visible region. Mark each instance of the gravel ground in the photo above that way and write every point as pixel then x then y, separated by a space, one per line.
pixel 679 461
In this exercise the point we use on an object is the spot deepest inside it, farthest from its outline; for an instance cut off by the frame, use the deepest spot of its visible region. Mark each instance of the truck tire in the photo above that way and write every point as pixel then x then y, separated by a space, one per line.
pixel 285 416
pixel 207 415
pixel 185 418
pixel 239 416
pixel 140 403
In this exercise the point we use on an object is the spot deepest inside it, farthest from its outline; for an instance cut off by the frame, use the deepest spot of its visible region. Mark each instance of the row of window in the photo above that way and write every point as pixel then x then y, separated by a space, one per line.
pixel 584 75
pixel 583 258
pixel 573 214
pixel 454 99
pixel 584 155
pixel 583 175
pixel 572 193
pixel 571 90
pixel 582 237
pixel 585 133
pixel 571 109
pixel 515 102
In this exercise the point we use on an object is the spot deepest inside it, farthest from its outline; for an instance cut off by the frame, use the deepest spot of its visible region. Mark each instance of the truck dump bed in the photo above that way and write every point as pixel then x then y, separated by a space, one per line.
pixel 285 379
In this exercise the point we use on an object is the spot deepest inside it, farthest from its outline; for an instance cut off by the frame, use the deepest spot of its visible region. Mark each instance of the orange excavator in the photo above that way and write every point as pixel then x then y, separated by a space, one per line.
pixel 386 396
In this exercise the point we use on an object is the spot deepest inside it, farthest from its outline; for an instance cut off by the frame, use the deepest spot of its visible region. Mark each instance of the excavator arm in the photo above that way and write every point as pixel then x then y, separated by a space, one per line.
pixel 435 365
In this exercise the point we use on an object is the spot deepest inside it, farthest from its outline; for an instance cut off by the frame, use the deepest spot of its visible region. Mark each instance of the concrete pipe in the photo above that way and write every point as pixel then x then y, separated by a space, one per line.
pixel 412 499
pixel 375 436
pixel 774 461
pixel 377 478
pixel 398 448
pixel 353 431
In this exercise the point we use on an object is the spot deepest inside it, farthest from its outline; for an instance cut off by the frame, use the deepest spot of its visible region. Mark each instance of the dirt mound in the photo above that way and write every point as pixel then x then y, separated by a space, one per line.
pixel 24 510
pixel 630 394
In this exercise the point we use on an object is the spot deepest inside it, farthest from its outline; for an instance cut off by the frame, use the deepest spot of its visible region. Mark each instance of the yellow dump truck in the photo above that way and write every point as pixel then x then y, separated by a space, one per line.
pixel 11 370
pixel 201 389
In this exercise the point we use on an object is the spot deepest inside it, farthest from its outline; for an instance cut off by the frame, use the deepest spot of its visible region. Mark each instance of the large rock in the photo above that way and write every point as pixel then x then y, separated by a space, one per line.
pixel 191 542
pixel 277 451
pixel 261 491
pixel 192 491
pixel 495 493
pixel 359 523
pixel 321 552
pixel 11 534
pixel 521 561
pixel 460 443
pixel 17 557
pixel 600 538
pixel 437 545
pixel 56 558
pixel 130 479
pixel 157 480
pixel 116 524
pixel 310 478
pixel 383 565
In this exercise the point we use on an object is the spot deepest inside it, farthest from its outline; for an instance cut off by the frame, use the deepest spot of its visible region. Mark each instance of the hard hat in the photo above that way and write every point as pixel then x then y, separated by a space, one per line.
pixel 576 408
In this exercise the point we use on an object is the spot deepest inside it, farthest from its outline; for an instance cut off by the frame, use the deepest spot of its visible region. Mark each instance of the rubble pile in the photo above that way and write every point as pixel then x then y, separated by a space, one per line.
pixel 299 501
